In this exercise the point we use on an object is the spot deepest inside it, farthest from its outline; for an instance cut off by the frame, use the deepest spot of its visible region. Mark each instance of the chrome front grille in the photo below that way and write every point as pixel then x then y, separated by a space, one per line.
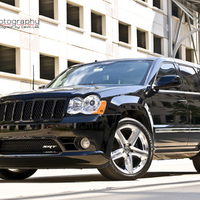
pixel 32 110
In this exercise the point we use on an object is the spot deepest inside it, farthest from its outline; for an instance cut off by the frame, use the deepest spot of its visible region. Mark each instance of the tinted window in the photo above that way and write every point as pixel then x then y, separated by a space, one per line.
pixel 73 15
pixel 123 33
pixel 197 71
pixel 141 39
pixel 175 10
pixel 47 67
pixel 165 70
pixel 96 23
pixel 11 2
pixel 46 8
pixel 157 44
pixel 190 78
pixel 156 3
pixel 7 59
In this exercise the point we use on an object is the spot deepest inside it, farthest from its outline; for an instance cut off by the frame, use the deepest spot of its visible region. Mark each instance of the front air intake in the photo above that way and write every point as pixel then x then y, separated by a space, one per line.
pixel 29 146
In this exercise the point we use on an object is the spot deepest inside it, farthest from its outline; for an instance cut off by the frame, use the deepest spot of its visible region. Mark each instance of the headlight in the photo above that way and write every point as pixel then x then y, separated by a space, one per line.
pixel 89 105
pixel 75 105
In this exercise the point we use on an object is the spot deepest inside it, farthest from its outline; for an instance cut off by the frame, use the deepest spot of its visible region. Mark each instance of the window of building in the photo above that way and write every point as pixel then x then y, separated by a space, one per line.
pixel 7 59
pixel 73 15
pixel 46 8
pixel 186 20
pixel 71 63
pixel 123 33
pixel 47 67
pixel 175 10
pixel 96 23
pixel 11 2
pixel 189 55
pixel 178 53
pixel 157 44
pixel 141 39
pixel 156 3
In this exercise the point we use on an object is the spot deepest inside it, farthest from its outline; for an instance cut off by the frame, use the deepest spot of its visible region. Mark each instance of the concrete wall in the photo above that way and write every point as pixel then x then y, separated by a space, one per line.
pixel 65 42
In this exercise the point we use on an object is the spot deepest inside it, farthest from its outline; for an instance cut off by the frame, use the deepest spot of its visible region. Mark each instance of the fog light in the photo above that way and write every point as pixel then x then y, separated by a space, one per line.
pixel 85 143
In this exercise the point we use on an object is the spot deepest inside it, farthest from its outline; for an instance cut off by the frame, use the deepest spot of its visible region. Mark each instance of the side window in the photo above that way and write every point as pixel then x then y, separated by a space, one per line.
pixel 197 70
pixel 190 78
pixel 167 69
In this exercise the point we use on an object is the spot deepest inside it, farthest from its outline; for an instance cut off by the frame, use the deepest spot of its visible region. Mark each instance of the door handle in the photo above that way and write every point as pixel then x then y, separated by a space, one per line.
pixel 184 102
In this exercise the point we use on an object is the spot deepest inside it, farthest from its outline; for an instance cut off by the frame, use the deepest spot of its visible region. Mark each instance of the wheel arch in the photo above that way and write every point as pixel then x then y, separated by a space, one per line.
pixel 140 116
pixel 139 111
pixel 134 107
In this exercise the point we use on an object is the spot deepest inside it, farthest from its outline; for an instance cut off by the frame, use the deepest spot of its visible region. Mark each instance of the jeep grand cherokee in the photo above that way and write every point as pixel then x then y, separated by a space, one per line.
pixel 114 115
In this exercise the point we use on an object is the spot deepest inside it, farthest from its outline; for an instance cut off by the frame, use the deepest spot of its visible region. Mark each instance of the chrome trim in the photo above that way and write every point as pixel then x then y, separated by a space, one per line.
pixel 168 129
pixel 194 130
pixel 174 130
pixel 150 116
pixel 178 92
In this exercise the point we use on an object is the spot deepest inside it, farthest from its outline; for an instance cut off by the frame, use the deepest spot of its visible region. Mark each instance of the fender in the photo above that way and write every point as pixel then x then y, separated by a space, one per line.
pixel 130 103
pixel 136 103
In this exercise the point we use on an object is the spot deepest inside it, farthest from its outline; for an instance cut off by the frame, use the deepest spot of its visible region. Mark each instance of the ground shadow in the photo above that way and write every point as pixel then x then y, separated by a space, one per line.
pixel 88 178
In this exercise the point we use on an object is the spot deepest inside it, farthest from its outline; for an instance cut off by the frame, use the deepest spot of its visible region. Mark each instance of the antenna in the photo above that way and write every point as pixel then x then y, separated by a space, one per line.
pixel 33 78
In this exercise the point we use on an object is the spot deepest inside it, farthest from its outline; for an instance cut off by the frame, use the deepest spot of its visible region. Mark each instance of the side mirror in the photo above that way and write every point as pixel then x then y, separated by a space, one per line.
pixel 169 81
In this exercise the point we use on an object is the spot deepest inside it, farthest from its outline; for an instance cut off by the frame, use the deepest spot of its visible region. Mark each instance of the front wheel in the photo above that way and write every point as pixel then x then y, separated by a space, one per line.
pixel 131 153
pixel 16 174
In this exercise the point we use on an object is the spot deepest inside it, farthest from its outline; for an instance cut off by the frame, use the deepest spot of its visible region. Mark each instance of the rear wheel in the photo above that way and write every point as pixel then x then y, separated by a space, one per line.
pixel 196 163
pixel 131 153
pixel 16 174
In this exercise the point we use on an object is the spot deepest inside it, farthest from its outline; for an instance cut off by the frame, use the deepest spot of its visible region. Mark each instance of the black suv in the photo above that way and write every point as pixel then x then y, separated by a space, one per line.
pixel 115 115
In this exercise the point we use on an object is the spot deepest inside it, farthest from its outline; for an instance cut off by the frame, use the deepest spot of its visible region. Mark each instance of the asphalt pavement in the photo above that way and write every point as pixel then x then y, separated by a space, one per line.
pixel 165 180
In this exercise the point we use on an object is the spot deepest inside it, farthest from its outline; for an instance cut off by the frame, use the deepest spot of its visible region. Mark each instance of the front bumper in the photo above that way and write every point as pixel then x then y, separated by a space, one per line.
pixel 57 145
pixel 88 159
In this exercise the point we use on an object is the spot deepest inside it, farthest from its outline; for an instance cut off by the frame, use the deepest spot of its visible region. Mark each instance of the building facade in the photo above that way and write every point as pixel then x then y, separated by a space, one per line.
pixel 41 38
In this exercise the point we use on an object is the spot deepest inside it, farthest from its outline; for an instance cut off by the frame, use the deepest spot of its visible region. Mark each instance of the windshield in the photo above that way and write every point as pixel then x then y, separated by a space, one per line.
pixel 110 72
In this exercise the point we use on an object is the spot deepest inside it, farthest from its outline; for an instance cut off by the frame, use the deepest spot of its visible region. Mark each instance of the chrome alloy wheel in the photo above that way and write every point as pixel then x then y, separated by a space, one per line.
pixel 130 149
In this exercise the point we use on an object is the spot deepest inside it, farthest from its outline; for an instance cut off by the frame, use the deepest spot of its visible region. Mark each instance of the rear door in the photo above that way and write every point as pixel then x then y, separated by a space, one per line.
pixel 192 90
pixel 170 115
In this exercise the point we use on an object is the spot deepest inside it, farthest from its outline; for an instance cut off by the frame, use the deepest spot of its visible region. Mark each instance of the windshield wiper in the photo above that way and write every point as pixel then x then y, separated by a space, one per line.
pixel 90 84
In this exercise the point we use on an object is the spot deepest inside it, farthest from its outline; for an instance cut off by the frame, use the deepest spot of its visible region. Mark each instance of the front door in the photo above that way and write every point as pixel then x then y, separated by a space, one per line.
pixel 169 111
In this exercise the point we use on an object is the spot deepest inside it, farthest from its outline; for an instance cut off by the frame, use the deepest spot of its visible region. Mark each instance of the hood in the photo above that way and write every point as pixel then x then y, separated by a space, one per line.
pixel 64 92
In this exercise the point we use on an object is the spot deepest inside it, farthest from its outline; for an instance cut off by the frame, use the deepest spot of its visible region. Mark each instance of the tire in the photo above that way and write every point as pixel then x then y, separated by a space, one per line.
pixel 196 163
pixel 131 153
pixel 16 174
